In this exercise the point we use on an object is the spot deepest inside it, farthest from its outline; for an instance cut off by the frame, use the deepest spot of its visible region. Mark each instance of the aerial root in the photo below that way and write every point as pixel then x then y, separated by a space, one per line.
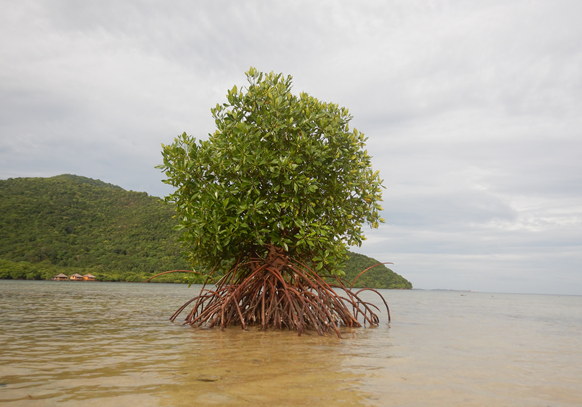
pixel 276 294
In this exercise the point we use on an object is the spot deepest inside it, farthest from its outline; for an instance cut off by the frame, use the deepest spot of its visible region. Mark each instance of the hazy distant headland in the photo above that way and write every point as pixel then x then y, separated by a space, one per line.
pixel 73 224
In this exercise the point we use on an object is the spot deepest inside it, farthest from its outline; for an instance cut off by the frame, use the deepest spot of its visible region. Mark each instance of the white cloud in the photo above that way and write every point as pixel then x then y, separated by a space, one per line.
pixel 471 109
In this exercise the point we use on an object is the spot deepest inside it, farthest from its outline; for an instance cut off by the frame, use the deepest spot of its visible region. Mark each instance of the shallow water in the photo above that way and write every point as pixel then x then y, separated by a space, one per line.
pixel 83 344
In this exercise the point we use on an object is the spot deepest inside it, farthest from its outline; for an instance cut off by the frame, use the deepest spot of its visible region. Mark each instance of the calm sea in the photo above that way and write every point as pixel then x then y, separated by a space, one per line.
pixel 111 344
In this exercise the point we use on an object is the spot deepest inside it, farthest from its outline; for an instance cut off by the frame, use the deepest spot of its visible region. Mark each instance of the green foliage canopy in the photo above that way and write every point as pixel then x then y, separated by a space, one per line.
pixel 280 170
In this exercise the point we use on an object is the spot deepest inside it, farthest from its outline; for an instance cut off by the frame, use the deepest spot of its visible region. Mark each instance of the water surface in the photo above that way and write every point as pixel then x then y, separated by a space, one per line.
pixel 84 344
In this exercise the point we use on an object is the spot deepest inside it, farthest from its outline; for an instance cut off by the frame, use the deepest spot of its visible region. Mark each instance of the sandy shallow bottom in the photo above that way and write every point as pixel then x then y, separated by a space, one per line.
pixel 106 344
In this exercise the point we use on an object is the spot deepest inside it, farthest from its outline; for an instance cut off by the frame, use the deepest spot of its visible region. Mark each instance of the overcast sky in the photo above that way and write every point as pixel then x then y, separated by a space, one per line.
pixel 473 110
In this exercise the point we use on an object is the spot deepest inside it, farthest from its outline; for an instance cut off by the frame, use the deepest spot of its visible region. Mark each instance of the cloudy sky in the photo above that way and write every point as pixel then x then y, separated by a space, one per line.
pixel 473 111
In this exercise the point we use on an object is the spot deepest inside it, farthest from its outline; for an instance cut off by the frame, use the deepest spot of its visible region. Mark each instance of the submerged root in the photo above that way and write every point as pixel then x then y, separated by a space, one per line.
pixel 279 293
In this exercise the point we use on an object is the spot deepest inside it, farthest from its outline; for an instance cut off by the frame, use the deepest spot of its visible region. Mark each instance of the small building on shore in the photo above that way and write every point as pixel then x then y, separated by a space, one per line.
pixel 88 277
pixel 76 277
pixel 61 277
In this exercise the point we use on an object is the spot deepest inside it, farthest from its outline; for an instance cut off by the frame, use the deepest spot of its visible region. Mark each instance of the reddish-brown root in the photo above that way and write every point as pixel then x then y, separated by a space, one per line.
pixel 279 294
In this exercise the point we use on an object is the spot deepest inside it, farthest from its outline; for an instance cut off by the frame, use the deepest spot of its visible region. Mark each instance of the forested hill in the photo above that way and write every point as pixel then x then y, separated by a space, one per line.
pixel 70 223
pixel 75 221
pixel 377 277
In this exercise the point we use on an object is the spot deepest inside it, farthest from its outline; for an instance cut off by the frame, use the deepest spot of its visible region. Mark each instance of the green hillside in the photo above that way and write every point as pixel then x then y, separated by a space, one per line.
pixel 378 277
pixel 74 221
pixel 70 224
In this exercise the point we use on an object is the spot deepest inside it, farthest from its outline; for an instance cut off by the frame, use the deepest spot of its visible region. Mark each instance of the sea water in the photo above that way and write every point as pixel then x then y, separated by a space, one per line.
pixel 111 344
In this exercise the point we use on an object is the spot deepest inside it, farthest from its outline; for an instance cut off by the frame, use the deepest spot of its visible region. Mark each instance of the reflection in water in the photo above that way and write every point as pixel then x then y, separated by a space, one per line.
pixel 270 368
pixel 85 344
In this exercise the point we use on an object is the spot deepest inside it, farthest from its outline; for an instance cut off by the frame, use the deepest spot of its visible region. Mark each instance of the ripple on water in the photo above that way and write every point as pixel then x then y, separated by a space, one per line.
pixel 112 344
